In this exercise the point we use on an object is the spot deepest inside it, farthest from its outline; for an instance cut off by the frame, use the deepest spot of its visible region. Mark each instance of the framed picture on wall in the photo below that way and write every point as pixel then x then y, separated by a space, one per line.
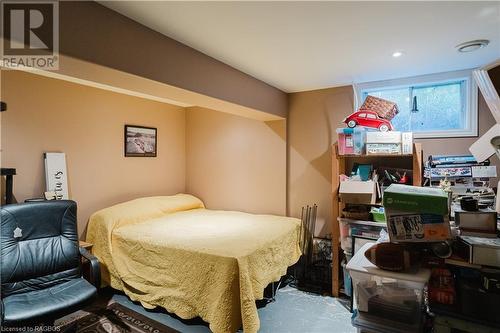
pixel 140 141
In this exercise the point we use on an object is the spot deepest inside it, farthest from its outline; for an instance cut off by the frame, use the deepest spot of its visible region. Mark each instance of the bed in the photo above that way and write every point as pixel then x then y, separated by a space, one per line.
pixel 171 252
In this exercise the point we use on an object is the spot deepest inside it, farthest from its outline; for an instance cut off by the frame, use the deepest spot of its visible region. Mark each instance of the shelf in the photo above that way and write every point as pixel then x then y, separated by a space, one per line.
pixel 378 155
pixel 363 222
pixel 376 204
pixel 457 261
pixel 341 164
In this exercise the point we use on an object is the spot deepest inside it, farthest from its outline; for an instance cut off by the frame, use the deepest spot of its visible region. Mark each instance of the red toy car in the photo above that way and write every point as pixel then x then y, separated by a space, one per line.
pixel 368 119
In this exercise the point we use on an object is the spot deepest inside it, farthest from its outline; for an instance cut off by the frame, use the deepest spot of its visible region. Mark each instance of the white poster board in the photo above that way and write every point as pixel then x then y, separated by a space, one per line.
pixel 56 175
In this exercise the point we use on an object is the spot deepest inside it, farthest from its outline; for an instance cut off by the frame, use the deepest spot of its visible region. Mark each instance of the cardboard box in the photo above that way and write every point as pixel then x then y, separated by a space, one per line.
pixel 483 220
pixel 428 200
pixel 416 214
pixel 417 227
pixel 383 148
pixel 383 137
pixel 360 192
pixel 479 250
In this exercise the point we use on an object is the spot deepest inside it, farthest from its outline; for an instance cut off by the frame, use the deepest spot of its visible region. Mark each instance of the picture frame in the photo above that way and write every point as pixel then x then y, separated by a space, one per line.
pixel 140 141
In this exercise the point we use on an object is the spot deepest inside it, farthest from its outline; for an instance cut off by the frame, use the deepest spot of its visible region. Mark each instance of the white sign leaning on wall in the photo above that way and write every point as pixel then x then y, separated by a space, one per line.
pixel 56 175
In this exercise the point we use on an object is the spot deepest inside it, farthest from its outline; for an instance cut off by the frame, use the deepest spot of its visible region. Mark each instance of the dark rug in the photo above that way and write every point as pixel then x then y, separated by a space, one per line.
pixel 115 318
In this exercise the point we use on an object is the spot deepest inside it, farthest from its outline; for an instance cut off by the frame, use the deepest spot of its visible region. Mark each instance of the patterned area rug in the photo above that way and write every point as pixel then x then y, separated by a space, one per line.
pixel 115 318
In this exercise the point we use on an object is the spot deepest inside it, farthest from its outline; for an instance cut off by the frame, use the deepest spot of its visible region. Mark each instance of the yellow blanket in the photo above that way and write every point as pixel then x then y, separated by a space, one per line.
pixel 193 261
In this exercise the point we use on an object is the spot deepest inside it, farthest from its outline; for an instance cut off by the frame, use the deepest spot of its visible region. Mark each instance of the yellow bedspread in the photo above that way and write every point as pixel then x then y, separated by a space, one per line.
pixel 193 261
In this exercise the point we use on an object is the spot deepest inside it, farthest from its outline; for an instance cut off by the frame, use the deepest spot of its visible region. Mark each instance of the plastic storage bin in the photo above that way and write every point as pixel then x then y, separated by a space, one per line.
pixel 379 295
pixel 370 324
pixel 351 140
pixel 347 281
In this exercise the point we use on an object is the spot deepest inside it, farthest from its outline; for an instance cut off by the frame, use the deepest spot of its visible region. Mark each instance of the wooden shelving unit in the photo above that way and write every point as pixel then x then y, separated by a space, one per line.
pixel 341 164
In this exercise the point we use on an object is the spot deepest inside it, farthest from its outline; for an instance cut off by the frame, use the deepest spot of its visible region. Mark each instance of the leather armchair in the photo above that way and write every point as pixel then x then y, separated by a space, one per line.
pixel 40 267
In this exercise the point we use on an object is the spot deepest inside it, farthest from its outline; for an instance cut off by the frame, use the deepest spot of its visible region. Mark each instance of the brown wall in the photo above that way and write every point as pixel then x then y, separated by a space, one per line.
pixel 147 53
pixel 87 124
pixel 235 163
pixel 313 118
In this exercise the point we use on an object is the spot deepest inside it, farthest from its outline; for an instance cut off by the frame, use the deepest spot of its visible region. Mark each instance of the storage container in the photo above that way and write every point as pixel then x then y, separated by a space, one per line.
pixel 416 214
pixel 477 303
pixel 407 143
pixel 346 244
pixel 383 148
pixel 351 140
pixel 359 192
pixel 347 281
pixel 380 294
pixel 383 137
pixel 378 214
pixel 369 324
pixel 367 231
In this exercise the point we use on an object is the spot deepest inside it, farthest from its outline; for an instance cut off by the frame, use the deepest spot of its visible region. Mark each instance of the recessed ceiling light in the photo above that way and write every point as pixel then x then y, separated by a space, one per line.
pixel 472 45
pixel 397 54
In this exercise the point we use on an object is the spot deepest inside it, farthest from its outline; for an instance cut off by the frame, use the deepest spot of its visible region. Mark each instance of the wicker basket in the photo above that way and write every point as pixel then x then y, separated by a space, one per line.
pixel 384 108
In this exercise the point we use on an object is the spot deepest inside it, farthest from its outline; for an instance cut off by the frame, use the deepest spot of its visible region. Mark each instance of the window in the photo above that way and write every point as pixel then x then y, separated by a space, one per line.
pixel 439 105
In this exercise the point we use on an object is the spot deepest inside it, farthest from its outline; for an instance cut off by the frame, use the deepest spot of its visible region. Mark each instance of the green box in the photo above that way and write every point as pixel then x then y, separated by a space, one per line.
pixel 428 200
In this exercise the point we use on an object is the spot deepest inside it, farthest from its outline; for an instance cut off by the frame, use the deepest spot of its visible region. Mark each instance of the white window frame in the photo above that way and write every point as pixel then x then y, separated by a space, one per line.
pixel 471 113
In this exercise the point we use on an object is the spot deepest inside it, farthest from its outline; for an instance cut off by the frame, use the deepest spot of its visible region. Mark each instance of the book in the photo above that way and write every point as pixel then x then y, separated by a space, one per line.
pixel 435 160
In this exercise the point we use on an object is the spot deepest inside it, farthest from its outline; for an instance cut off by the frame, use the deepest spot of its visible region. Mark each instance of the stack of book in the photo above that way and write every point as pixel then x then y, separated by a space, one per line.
pixel 463 171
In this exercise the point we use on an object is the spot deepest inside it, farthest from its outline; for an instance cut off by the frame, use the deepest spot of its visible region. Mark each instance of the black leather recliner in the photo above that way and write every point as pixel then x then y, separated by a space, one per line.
pixel 40 263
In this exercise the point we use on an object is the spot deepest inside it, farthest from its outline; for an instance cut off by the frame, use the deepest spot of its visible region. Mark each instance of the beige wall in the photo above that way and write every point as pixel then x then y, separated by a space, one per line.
pixel 87 124
pixel 234 163
pixel 150 54
pixel 313 118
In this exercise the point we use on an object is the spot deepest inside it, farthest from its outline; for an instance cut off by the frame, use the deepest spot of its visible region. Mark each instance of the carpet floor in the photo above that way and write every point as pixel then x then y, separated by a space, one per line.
pixel 293 311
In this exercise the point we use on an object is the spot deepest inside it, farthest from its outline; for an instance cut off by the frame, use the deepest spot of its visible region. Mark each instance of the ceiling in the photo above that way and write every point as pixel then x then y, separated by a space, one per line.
pixel 297 46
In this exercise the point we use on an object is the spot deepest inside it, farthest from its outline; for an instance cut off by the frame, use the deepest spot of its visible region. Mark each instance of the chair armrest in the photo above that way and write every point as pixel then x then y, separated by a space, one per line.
pixel 94 267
